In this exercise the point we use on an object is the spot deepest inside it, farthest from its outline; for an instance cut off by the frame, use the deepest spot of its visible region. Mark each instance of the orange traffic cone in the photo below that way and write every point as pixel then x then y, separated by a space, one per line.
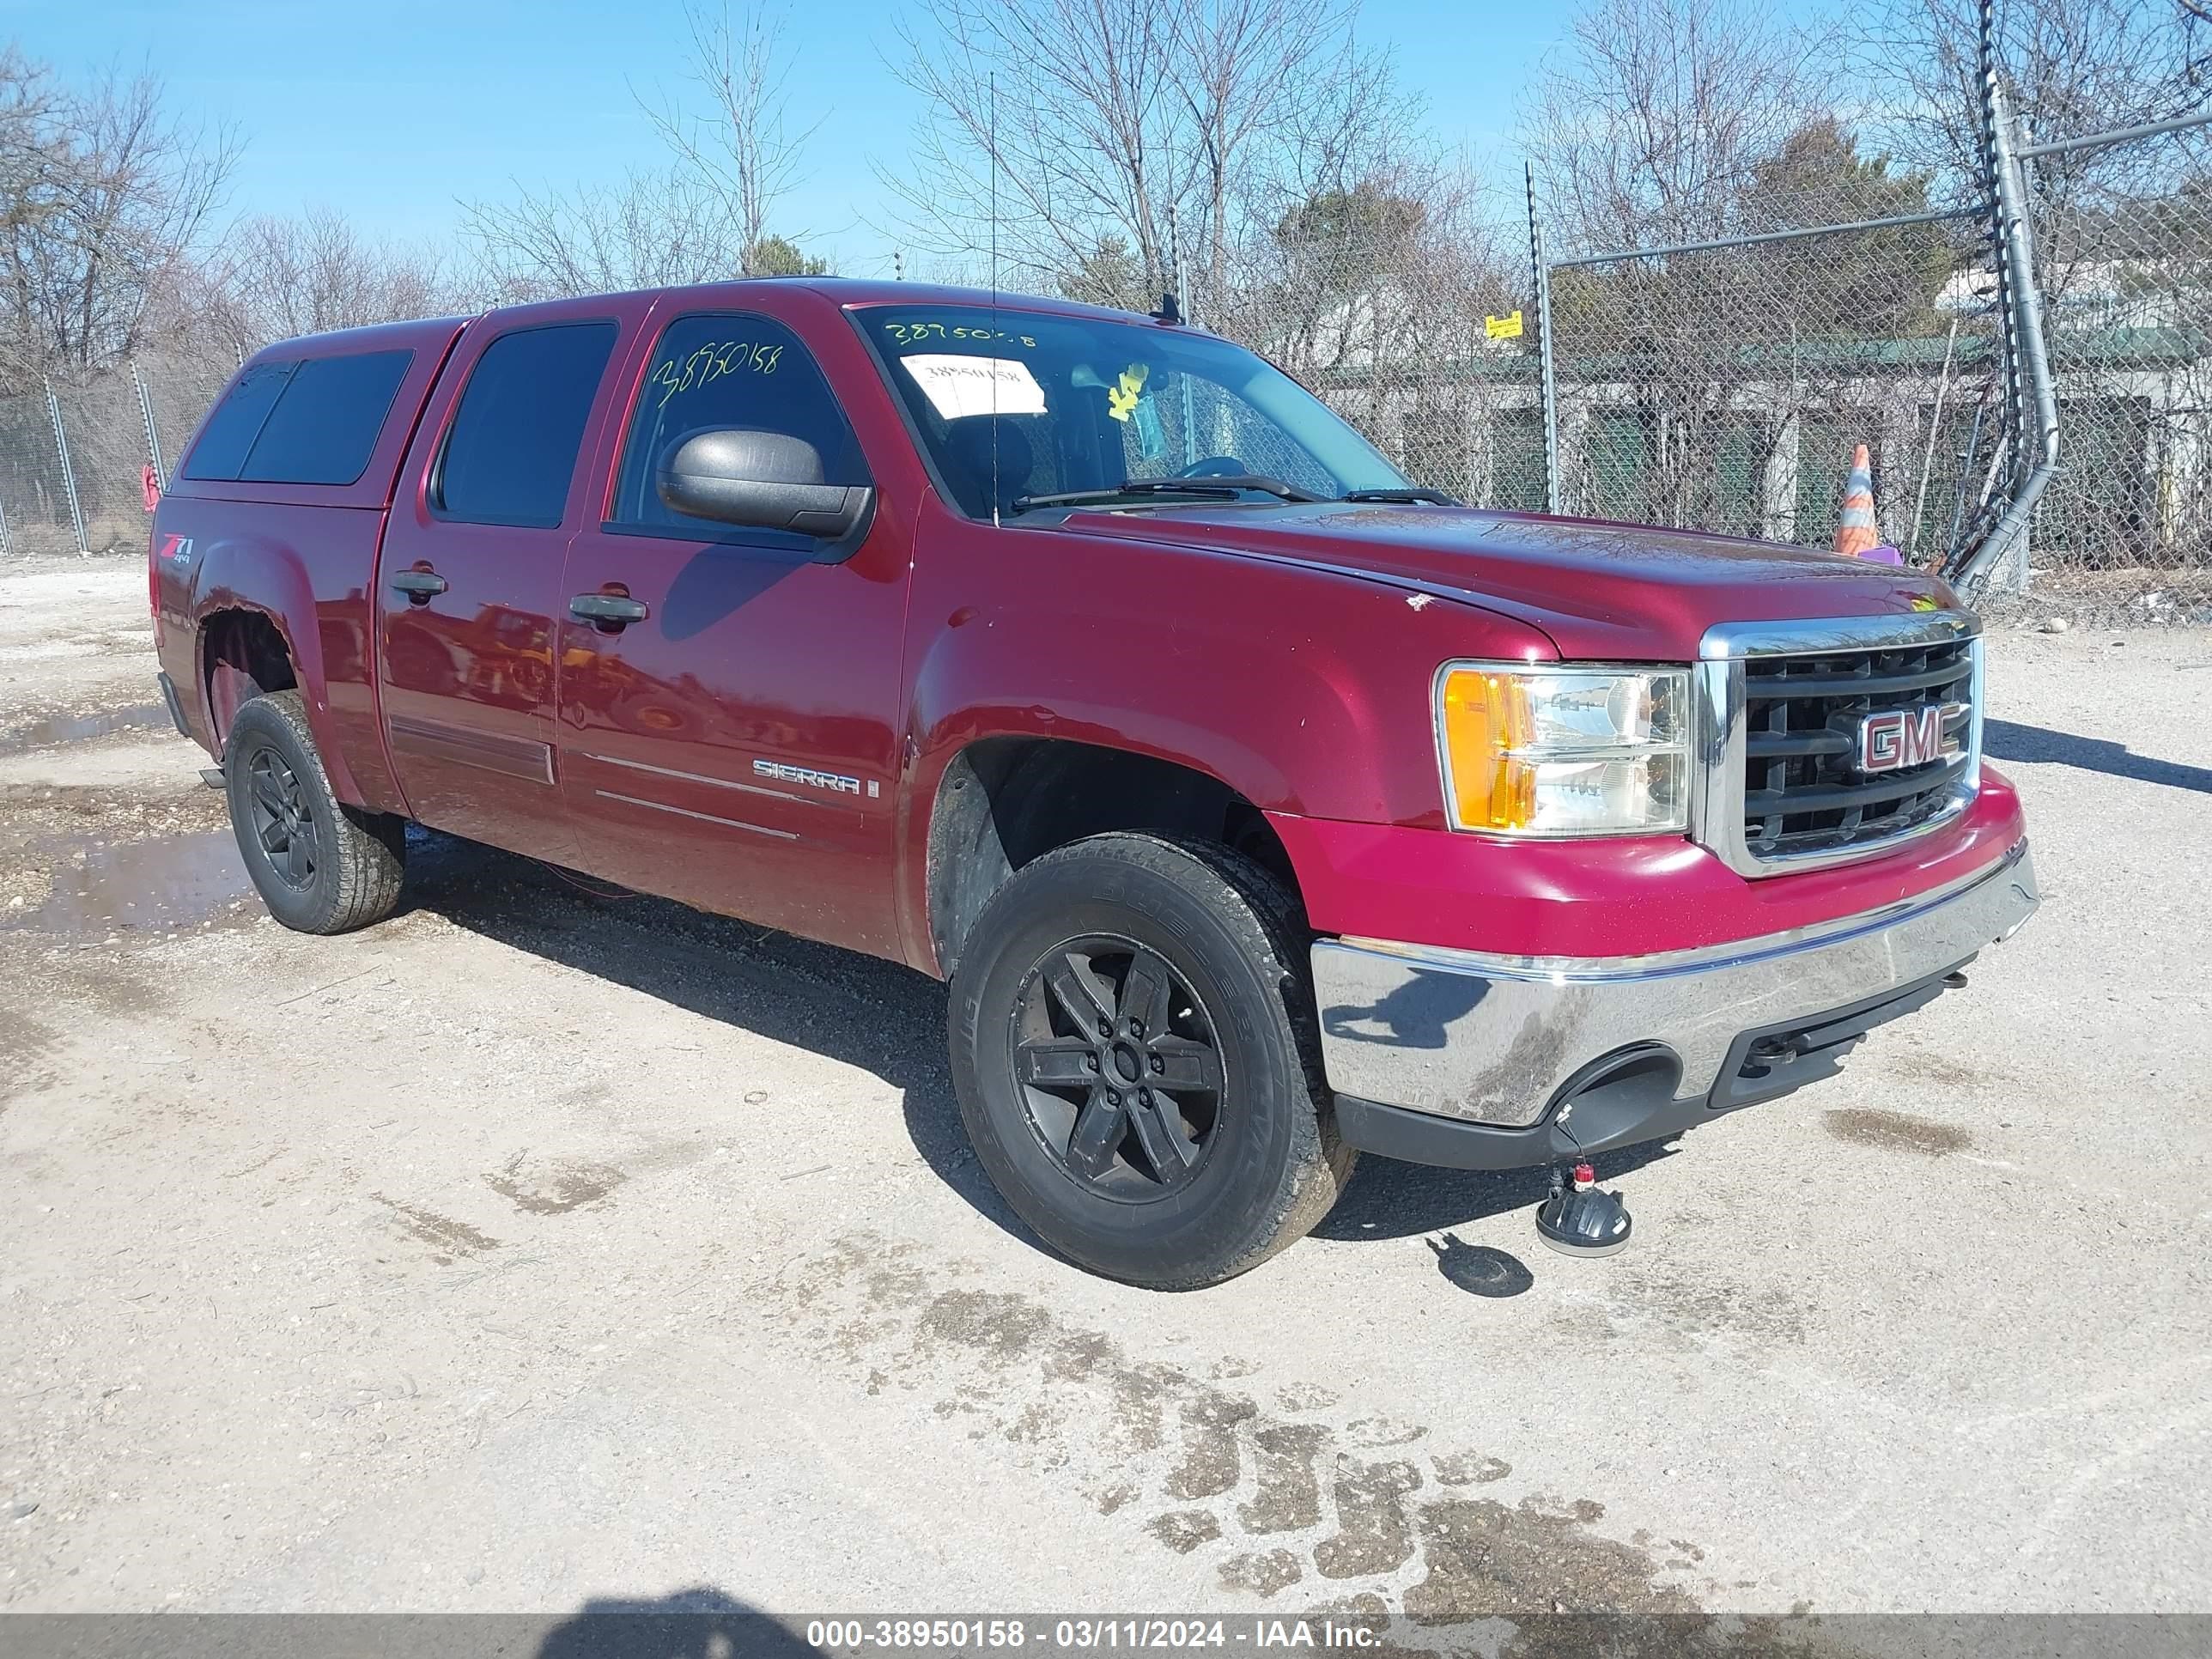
pixel 1856 532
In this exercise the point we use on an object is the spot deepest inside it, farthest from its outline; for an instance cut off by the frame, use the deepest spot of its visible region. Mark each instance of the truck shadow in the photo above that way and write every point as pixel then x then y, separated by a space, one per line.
pixel 2009 740
pixel 1389 1199
pixel 858 1009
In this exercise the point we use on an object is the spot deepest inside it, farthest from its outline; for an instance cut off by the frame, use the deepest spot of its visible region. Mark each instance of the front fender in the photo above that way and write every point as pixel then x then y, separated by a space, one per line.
pixel 1306 692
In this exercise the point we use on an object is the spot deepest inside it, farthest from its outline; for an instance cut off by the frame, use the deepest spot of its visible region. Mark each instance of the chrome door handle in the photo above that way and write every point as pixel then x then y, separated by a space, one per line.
pixel 614 610
pixel 420 587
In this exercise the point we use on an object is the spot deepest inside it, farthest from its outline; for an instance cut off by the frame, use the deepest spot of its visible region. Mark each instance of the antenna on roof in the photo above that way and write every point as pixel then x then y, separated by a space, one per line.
pixel 1169 311
pixel 994 296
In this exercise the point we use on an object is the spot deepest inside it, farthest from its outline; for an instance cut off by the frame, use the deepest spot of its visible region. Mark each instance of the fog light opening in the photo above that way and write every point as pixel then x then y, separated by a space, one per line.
pixel 1608 1103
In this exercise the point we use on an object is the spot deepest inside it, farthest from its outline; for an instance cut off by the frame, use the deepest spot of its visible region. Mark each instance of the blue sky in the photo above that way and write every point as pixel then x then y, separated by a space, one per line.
pixel 391 111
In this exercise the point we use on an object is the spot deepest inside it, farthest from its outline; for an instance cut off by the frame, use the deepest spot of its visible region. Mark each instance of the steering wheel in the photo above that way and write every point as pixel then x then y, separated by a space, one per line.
pixel 1215 466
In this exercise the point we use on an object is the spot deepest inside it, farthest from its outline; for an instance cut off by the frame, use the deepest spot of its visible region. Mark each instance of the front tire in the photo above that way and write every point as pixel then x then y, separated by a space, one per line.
pixel 1134 1053
pixel 320 867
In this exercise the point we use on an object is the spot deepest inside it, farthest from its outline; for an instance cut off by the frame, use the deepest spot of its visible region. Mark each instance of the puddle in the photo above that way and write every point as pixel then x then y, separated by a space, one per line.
pixel 58 729
pixel 140 886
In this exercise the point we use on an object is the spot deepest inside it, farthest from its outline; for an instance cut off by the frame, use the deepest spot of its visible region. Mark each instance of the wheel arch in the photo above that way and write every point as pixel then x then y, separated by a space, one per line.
pixel 1003 801
pixel 1291 692
pixel 254 612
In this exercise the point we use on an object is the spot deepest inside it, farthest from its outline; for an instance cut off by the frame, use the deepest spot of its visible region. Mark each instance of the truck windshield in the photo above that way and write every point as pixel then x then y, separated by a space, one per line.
pixel 1016 407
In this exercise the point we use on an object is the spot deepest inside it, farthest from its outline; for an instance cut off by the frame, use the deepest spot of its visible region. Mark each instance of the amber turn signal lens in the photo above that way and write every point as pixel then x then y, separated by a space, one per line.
pixel 1490 791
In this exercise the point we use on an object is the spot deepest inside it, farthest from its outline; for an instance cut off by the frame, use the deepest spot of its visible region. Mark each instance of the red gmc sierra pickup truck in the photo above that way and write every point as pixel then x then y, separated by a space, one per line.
pixel 1259 805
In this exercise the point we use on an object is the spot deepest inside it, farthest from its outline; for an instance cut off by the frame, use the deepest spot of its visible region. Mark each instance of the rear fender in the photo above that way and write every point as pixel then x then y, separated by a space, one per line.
pixel 267 579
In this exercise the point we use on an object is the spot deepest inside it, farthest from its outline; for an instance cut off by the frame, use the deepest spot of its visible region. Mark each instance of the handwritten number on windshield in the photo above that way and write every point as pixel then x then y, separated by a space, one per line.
pixel 914 333
pixel 709 362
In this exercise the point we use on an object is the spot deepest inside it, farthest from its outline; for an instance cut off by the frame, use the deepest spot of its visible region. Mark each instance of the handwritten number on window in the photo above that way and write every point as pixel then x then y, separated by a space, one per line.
pixel 709 362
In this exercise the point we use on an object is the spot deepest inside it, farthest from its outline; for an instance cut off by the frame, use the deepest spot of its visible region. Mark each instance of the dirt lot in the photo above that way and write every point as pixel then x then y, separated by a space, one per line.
pixel 538 1246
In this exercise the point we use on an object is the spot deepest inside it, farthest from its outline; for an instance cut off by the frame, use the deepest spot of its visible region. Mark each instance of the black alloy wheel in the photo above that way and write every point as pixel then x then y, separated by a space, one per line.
pixel 1136 1059
pixel 1118 1067
pixel 283 822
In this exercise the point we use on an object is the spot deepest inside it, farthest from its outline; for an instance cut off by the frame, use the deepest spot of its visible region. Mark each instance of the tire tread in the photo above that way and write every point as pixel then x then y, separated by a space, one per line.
pixel 369 859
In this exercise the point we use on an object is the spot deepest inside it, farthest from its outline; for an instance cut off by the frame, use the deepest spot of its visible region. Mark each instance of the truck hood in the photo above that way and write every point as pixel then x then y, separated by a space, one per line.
pixel 1601 592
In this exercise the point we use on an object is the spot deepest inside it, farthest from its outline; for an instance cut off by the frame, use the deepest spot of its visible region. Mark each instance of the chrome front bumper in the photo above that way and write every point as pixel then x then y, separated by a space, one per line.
pixel 1494 1040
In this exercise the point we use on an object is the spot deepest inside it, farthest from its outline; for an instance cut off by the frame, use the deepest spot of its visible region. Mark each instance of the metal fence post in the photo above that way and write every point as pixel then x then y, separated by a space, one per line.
pixel 7 541
pixel 152 433
pixel 2031 397
pixel 69 473
pixel 1548 390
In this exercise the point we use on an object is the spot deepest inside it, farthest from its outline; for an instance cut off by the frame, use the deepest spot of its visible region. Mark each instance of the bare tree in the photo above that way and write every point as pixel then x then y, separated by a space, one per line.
pixel 704 217
pixel 2076 67
pixel 1069 145
pixel 1056 127
pixel 1650 124
pixel 1384 278
pixel 742 151
pixel 28 102
pixel 2121 238
pixel 109 195
pixel 1376 295
pixel 1280 103
pixel 274 278
pixel 650 230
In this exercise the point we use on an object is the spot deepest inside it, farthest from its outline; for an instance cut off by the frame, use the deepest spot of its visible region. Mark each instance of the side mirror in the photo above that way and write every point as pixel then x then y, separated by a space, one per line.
pixel 763 480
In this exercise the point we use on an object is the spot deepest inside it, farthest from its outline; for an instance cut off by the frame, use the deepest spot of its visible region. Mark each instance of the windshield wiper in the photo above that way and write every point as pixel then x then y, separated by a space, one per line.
pixel 1227 488
pixel 1266 483
pixel 1410 493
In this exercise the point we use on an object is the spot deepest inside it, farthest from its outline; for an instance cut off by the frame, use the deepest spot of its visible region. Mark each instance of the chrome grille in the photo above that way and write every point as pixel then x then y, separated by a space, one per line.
pixel 1782 708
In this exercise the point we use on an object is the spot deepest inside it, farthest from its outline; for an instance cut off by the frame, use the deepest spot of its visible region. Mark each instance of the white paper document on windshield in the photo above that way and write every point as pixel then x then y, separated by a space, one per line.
pixel 958 386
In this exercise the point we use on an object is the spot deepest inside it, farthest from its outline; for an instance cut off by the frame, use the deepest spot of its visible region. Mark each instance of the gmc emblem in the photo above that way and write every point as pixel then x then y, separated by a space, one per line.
pixel 1897 738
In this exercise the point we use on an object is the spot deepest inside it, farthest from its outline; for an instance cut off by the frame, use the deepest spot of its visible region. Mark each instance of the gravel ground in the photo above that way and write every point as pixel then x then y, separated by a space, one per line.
pixel 540 1246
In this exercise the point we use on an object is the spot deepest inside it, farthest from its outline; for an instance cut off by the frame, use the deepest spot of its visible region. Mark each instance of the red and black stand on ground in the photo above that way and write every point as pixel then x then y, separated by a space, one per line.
pixel 1577 1219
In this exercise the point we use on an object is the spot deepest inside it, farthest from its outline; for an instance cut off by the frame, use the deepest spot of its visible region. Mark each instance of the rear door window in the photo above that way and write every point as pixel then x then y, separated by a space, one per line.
pixel 512 448
pixel 319 421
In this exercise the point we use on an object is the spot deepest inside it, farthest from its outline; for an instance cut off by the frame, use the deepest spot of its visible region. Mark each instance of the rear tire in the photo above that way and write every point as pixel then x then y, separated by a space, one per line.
pixel 320 867
pixel 1134 1052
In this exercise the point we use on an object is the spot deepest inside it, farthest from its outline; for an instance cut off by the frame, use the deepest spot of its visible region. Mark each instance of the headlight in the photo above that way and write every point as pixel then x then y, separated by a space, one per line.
pixel 1564 750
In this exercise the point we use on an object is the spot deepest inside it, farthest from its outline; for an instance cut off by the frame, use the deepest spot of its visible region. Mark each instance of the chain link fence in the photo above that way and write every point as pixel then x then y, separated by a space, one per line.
pixel 1726 387
pixel 75 453
pixel 34 512
pixel 1385 315
pixel 2061 307
pixel 1724 384
pixel 2124 261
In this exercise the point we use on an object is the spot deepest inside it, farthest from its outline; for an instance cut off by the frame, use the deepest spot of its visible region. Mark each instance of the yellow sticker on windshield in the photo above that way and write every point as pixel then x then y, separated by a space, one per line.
pixel 1121 398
